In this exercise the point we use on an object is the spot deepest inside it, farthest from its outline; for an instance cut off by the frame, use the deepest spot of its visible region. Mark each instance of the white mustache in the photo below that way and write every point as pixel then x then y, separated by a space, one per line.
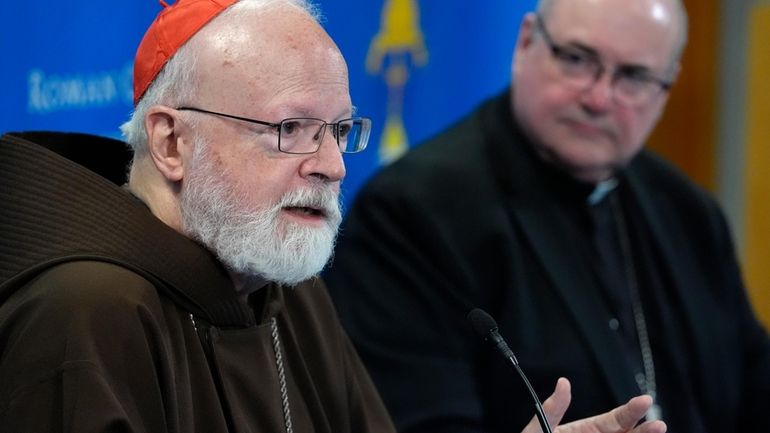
pixel 323 198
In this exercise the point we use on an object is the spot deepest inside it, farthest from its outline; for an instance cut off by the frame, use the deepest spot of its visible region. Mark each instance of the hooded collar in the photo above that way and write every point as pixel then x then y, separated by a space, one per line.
pixel 61 200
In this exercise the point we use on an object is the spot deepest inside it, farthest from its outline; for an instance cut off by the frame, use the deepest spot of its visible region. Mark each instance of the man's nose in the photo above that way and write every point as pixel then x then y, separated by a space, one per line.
pixel 326 162
pixel 598 97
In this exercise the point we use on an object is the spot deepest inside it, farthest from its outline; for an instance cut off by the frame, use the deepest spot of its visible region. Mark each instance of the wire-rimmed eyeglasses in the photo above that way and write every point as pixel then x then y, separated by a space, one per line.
pixel 304 135
pixel 631 84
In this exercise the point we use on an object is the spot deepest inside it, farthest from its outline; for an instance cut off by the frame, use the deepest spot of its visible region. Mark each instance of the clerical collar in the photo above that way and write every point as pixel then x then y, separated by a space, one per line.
pixel 601 190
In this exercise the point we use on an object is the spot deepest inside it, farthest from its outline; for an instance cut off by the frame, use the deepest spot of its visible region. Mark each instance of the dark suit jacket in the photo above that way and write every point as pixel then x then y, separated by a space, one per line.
pixel 468 220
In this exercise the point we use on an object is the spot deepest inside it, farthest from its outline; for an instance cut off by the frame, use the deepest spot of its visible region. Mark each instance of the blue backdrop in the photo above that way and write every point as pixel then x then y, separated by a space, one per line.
pixel 415 66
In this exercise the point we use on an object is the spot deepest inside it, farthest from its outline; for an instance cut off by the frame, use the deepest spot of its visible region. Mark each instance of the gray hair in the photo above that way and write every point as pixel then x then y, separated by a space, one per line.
pixel 544 7
pixel 176 83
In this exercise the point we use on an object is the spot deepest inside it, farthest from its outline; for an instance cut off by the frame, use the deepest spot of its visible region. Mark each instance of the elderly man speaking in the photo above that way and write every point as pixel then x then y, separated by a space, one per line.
pixel 186 300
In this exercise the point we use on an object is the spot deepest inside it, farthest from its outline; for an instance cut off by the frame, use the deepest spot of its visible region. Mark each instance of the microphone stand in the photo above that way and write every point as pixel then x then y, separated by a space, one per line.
pixel 544 425
pixel 486 327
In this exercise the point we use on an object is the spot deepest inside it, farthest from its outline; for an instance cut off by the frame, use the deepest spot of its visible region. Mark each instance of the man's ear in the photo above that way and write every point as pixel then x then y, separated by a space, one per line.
pixel 165 146
pixel 527 30
pixel 525 39
pixel 675 70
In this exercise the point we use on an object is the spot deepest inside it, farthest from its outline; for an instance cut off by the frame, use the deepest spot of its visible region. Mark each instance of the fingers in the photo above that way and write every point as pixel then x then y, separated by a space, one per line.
pixel 554 406
pixel 627 415
pixel 651 427
pixel 624 418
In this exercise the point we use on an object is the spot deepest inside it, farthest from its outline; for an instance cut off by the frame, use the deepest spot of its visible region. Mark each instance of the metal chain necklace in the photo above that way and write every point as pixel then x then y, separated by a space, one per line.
pixel 646 381
pixel 281 375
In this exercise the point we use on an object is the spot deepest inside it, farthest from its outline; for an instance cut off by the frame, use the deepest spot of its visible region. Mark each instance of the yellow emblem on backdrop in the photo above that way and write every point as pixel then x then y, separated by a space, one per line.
pixel 398 40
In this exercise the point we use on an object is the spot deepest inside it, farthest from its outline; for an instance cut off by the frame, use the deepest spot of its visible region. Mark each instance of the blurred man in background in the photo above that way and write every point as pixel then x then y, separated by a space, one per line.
pixel 601 262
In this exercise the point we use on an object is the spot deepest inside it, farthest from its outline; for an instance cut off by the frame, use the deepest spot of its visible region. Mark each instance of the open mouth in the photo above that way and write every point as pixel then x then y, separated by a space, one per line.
pixel 306 211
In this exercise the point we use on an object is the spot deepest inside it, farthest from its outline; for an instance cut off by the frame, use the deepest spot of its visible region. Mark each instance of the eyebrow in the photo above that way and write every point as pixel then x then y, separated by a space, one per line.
pixel 632 67
pixel 579 46
pixel 306 111
pixel 299 111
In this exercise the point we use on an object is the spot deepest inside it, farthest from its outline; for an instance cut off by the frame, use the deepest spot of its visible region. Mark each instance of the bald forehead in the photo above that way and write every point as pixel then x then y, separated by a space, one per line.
pixel 255 28
pixel 650 31
pixel 545 5
pixel 254 48
pixel 670 12
pixel 668 7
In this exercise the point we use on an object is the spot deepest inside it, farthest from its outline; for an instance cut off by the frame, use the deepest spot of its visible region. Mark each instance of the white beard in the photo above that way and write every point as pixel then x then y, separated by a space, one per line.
pixel 257 243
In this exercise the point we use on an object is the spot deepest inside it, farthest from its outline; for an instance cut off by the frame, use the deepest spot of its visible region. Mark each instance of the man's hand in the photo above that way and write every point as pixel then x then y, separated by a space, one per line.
pixel 622 419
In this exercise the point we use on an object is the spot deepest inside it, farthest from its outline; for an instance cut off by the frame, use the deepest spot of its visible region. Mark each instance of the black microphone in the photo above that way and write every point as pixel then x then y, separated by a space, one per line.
pixel 486 327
